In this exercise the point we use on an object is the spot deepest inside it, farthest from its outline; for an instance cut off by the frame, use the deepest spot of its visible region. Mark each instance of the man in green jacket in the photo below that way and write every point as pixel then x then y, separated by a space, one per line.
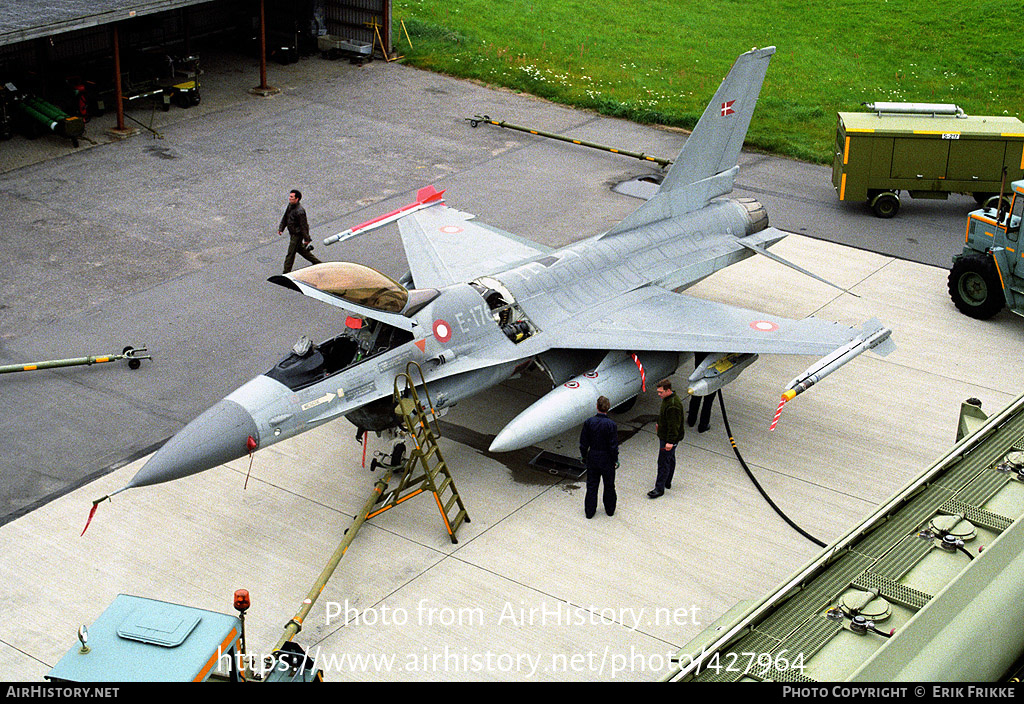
pixel 670 432
pixel 295 222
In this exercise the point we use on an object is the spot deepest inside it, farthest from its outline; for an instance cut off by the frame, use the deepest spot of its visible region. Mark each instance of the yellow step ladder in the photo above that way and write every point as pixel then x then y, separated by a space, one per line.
pixel 425 468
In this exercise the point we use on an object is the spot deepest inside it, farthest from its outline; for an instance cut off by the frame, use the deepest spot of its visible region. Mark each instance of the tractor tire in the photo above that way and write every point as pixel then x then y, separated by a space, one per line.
pixel 974 287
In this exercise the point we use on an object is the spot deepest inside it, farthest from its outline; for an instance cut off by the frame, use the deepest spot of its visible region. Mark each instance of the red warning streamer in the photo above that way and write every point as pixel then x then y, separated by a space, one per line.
pixel 95 505
pixel 92 512
pixel 643 374
pixel 774 421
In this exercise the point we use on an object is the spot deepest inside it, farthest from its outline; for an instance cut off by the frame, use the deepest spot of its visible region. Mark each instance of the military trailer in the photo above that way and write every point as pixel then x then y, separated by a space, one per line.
pixel 928 150
pixel 989 273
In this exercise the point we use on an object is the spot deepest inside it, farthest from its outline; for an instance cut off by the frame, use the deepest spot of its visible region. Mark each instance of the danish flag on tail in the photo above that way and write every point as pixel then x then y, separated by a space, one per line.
pixel 727 108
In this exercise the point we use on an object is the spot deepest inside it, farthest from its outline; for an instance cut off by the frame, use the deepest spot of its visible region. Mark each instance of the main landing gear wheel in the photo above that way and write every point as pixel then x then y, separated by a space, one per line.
pixel 974 287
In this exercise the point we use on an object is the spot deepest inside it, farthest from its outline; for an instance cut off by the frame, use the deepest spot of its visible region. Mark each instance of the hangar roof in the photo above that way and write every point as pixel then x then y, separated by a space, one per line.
pixel 22 20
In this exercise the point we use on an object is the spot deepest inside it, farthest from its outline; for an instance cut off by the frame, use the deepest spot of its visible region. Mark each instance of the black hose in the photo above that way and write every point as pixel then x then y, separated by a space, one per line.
pixel 736 449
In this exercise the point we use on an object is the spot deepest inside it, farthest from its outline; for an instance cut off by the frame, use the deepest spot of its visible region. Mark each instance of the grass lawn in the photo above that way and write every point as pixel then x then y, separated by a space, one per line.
pixel 656 61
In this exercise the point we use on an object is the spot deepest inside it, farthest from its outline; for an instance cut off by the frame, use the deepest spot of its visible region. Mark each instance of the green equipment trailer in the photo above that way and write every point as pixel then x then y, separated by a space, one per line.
pixel 989 273
pixel 928 150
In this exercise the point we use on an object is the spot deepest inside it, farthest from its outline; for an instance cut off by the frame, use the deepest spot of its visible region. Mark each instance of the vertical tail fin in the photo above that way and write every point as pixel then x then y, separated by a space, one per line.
pixel 716 141
pixel 706 166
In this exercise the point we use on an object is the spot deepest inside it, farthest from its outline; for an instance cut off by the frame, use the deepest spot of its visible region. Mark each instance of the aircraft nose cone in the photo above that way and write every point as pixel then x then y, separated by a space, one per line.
pixel 219 435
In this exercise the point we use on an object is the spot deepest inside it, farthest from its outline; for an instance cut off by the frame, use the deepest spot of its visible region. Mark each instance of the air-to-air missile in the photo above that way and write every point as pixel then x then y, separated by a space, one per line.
pixel 874 336
pixel 603 314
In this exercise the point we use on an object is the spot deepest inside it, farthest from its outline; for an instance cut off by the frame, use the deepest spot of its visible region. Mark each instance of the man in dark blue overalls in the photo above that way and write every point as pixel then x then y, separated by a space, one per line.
pixel 599 448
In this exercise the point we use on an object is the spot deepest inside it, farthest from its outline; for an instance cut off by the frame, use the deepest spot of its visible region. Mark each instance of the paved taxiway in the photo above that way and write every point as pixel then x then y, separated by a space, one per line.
pixel 169 242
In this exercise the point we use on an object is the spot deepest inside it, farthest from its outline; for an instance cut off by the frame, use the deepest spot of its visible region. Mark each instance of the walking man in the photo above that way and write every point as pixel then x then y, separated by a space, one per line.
pixel 294 221
pixel 670 432
pixel 599 448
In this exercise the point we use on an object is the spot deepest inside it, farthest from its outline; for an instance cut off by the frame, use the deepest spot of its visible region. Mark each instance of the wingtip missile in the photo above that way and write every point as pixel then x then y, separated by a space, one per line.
pixel 425 197
pixel 874 336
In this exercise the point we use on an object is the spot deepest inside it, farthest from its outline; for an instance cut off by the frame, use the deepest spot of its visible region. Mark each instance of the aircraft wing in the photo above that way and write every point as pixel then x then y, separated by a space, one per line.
pixel 443 246
pixel 655 319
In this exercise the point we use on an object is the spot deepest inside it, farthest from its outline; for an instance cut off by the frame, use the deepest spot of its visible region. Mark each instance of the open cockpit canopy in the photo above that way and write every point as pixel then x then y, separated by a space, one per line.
pixel 357 284
pixel 360 290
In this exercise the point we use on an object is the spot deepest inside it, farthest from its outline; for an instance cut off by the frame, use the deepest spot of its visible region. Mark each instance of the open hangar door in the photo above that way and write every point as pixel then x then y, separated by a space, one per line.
pixel 62 66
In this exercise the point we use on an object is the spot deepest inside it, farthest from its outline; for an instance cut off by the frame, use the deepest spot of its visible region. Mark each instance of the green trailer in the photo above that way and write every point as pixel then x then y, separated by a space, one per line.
pixel 928 150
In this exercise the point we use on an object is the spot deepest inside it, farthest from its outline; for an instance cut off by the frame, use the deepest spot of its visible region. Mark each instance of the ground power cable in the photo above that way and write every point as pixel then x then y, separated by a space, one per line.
pixel 736 449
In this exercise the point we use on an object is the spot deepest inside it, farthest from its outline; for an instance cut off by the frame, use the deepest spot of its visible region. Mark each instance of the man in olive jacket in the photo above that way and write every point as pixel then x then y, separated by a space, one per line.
pixel 294 221
pixel 670 432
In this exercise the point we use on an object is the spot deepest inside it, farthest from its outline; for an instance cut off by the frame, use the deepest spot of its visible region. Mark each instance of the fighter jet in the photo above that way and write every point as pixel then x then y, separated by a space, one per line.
pixel 603 316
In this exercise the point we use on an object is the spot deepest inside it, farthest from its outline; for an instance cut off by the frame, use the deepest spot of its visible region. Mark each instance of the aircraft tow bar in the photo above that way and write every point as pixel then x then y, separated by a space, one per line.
pixel 474 121
pixel 295 624
pixel 130 353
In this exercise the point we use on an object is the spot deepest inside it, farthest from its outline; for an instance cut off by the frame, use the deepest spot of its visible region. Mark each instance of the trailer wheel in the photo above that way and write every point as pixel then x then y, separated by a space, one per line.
pixel 974 287
pixel 992 203
pixel 886 204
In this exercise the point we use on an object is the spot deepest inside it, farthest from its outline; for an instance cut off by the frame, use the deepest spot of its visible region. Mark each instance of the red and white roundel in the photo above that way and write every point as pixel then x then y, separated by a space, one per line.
pixel 451 229
pixel 572 384
pixel 442 330
pixel 764 326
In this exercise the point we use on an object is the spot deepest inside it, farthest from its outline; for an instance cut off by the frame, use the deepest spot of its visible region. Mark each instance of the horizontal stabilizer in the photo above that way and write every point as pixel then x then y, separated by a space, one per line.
pixel 755 247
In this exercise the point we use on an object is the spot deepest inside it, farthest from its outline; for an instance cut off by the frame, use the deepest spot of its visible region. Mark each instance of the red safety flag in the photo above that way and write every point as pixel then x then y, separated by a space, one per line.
pixel 92 512
pixel 251 445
